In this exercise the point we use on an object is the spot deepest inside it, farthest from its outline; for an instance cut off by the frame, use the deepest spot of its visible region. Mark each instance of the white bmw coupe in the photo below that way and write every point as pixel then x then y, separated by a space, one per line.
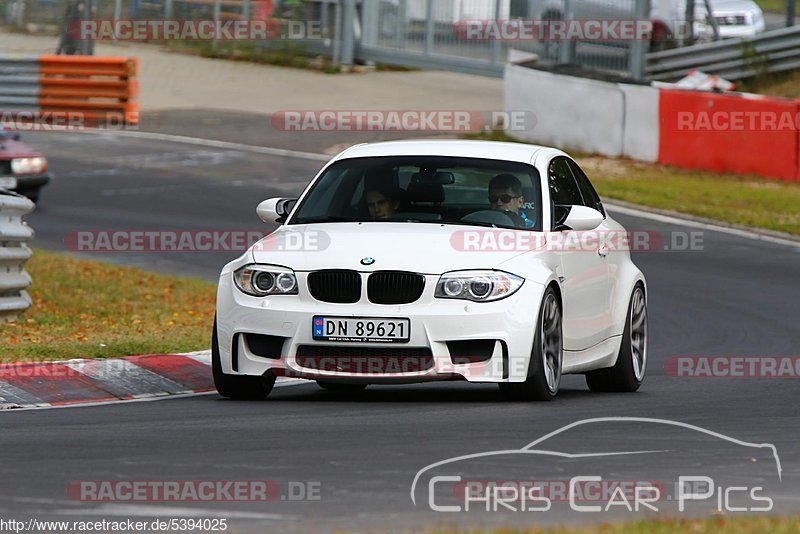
pixel 417 261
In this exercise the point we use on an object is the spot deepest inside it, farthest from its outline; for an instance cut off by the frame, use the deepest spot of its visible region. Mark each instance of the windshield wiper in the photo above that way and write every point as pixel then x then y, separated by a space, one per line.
pixel 459 223
pixel 326 219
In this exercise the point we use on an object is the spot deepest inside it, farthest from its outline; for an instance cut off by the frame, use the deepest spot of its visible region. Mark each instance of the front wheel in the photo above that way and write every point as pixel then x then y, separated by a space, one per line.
pixel 628 373
pixel 235 386
pixel 547 356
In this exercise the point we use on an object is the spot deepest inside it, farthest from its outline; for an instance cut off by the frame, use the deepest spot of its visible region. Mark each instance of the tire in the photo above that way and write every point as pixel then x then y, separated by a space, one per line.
pixel 341 387
pixel 233 386
pixel 628 373
pixel 547 356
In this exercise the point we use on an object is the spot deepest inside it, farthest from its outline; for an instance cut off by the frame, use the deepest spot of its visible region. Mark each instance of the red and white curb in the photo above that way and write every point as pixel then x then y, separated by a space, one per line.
pixel 101 381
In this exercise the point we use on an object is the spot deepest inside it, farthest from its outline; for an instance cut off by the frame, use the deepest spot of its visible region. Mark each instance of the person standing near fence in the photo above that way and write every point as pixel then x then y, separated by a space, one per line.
pixel 71 42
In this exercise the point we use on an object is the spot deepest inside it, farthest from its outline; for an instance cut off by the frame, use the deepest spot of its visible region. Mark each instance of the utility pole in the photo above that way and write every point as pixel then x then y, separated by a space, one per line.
pixel 348 32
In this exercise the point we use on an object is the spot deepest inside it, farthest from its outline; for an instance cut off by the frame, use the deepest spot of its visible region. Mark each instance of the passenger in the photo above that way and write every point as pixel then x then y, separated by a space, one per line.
pixel 382 205
pixel 505 194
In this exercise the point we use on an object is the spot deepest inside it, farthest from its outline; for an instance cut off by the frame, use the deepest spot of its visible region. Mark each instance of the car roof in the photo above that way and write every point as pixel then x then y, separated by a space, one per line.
pixel 519 152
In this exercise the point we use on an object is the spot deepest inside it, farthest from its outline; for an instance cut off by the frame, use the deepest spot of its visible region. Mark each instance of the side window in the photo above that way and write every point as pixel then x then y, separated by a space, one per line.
pixel 563 189
pixel 590 196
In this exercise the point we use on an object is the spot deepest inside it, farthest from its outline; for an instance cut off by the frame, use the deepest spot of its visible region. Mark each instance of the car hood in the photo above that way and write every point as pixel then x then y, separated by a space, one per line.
pixel 417 247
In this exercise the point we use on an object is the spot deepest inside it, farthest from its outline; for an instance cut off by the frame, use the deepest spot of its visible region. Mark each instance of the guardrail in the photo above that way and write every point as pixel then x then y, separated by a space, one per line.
pixel 14 252
pixel 101 89
pixel 733 59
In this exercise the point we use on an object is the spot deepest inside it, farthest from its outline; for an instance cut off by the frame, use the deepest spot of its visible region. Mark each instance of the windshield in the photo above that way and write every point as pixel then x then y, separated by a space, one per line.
pixel 417 189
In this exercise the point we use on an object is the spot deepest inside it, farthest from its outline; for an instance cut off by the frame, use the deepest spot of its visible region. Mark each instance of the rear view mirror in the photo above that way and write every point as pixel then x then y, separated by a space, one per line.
pixel 439 177
pixel 275 210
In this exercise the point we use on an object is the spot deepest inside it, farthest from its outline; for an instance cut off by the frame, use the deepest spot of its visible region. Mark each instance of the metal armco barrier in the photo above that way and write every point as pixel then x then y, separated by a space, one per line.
pixel 99 88
pixel 733 59
pixel 14 252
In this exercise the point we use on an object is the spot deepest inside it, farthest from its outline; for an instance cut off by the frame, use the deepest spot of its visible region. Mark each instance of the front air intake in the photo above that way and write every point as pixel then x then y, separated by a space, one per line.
pixel 336 286
pixel 395 287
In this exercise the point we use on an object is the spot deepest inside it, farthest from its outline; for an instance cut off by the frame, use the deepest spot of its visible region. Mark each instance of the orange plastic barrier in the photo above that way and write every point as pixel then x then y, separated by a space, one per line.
pixel 730 133
pixel 101 87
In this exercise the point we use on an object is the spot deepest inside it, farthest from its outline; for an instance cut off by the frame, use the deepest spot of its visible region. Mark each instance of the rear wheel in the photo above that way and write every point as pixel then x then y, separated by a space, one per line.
pixel 628 373
pixel 341 387
pixel 235 386
pixel 547 356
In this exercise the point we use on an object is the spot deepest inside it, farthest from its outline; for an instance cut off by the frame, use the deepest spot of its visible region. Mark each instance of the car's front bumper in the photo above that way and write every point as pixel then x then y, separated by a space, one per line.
pixel 25 183
pixel 706 33
pixel 434 322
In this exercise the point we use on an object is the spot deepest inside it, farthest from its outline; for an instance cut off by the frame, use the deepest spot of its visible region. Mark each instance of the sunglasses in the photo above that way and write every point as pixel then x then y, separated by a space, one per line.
pixel 505 199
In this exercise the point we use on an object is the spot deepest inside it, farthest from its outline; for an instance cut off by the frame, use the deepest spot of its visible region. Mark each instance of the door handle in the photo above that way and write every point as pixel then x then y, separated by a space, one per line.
pixel 602 251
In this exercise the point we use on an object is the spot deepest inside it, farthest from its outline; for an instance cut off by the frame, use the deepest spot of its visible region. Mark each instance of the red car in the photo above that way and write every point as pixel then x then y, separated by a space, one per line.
pixel 24 170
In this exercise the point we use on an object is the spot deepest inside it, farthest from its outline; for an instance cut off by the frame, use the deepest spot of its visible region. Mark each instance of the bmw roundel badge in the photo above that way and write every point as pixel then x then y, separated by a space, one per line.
pixel 367 261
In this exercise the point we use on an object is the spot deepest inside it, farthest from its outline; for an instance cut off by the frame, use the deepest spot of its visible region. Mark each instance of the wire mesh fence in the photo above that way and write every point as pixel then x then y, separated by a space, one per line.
pixel 472 36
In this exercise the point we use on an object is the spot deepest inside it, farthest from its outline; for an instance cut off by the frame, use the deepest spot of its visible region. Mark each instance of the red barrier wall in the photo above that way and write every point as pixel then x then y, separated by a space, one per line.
pixel 730 133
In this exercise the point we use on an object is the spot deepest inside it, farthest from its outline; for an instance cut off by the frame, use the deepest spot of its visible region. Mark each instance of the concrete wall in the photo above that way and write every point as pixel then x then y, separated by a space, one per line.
pixel 585 115
pixel 641 136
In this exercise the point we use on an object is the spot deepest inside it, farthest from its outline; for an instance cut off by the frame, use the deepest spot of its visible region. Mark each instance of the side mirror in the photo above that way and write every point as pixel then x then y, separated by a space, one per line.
pixel 275 210
pixel 582 218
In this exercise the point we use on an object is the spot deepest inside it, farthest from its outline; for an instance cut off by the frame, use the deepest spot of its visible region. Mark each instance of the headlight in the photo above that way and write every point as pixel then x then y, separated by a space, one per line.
pixel 28 165
pixel 478 286
pixel 263 280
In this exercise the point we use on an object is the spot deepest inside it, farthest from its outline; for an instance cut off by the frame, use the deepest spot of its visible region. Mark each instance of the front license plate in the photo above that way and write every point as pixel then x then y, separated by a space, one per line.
pixel 8 182
pixel 366 329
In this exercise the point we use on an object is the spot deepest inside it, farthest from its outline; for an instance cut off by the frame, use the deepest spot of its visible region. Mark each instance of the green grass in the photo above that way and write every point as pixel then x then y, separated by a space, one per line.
pixel 715 525
pixel 90 309
pixel 786 85
pixel 772 5
pixel 741 200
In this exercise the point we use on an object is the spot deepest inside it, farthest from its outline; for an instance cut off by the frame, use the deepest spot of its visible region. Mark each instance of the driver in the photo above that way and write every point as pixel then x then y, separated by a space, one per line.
pixel 505 194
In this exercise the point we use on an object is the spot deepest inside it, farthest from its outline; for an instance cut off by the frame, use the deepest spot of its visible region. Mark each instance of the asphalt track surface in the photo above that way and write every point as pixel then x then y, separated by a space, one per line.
pixel 735 297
